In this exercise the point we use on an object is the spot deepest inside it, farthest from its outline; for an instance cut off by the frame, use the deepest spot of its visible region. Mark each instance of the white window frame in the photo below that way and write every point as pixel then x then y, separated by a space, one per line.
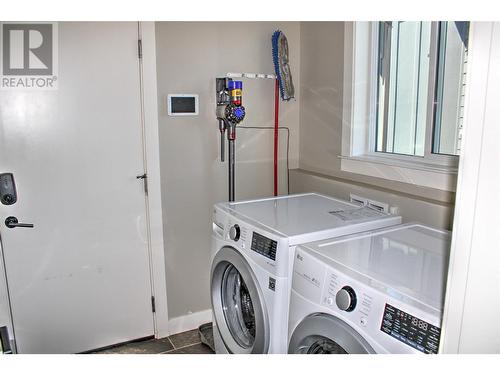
pixel 360 114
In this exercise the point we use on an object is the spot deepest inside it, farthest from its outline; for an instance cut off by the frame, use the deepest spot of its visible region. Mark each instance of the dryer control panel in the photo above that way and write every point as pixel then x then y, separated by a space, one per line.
pixel 264 246
pixel 267 248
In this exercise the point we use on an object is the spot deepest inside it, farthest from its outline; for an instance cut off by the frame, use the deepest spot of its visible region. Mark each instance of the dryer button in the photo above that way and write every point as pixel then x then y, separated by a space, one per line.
pixel 363 321
pixel 346 299
pixel 234 232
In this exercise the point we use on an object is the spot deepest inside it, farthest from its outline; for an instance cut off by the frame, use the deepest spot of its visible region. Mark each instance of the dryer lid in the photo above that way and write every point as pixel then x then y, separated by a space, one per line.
pixel 308 217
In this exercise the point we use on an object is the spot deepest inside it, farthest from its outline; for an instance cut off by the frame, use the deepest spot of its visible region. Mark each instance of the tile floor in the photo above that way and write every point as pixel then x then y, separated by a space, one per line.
pixel 181 343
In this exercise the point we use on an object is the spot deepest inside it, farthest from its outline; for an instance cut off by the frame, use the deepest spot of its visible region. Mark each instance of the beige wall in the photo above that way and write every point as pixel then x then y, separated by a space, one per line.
pixel 321 85
pixel 411 208
pixel 189 58
pixel 321 82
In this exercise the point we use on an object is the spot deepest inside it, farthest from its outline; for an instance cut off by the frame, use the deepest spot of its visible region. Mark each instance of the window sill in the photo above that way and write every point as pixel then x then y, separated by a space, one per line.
pixel 398 169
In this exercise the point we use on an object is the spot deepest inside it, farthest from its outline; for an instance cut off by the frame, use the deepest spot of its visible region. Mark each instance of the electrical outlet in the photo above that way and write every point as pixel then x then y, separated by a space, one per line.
pixel 357 199
pixel 376 205
pixel 379 206
pixel 394 210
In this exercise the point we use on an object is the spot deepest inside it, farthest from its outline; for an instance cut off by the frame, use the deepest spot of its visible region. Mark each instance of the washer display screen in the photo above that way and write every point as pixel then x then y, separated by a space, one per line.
pixel 264 245
pixel 409 329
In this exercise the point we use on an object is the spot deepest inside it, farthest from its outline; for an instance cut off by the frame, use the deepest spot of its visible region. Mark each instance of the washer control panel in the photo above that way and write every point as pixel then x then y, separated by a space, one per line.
pixel 390 322
pixel 410 330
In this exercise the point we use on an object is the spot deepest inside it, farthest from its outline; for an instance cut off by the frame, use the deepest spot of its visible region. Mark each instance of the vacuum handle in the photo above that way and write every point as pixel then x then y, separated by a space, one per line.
pixel 222 147
pixel 222 129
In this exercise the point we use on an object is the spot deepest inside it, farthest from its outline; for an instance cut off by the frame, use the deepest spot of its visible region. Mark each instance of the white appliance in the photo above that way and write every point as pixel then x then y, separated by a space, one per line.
pixel 252 257
pixel 374 292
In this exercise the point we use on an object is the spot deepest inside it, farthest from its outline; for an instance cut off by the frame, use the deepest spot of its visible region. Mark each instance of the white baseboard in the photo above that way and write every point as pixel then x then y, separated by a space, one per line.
pixel 189 322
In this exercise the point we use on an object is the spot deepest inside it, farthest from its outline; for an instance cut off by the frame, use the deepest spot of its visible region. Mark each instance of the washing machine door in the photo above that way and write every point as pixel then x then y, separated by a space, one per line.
pixel 238 304
pixel 326 334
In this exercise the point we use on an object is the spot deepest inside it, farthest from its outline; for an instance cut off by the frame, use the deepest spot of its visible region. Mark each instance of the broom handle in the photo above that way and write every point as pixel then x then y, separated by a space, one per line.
pixel 276 116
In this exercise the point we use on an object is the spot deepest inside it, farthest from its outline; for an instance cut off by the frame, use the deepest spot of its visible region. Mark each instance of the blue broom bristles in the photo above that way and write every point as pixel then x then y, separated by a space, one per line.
pixel 276 61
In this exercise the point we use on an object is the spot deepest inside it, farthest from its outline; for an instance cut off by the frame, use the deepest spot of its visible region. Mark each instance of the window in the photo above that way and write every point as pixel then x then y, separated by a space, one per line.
pixel 404 89
pixel 421 81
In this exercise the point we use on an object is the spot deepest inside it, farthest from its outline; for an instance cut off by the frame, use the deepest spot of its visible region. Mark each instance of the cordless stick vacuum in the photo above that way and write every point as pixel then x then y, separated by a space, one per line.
pixel 230 112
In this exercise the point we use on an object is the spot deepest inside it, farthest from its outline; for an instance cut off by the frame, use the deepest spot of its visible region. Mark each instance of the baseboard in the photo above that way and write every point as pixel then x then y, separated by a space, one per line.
pixel 189 322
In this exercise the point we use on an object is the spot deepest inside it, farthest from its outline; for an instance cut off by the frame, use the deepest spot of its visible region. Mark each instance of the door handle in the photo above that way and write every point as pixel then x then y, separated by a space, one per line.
pixel 12 222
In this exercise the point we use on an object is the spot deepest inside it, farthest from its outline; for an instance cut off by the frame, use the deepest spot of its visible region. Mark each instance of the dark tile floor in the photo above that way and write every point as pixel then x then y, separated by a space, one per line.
pixel 181 343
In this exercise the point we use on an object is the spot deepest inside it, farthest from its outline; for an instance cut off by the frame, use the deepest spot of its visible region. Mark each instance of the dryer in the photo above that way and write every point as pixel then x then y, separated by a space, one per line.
pixel 375 292
pixel 253 246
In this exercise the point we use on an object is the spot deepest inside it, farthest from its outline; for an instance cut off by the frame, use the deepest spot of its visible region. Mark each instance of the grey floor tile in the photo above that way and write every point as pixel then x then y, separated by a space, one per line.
pixel 185 338
pixel 193 349
pixel 143 347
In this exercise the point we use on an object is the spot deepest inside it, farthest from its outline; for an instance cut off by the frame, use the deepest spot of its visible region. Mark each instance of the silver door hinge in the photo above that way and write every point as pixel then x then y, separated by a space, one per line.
pixel 153 304
pixel 139 48
pixel 144 178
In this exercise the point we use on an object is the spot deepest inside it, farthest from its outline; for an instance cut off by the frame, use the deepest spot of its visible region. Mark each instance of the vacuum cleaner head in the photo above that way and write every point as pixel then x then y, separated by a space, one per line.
pixel 281 65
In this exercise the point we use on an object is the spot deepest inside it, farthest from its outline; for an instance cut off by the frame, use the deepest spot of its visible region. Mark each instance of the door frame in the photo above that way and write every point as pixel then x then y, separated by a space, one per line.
pixel 156 252
pixel 152 160
pixel 474 246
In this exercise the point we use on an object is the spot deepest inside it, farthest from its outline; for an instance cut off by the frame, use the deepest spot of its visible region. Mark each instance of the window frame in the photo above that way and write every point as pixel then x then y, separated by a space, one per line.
pixel 360 117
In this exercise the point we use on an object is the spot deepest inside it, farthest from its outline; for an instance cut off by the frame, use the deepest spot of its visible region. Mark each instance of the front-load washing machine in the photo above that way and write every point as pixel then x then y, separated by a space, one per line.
pixel 252 258
pixel 375 292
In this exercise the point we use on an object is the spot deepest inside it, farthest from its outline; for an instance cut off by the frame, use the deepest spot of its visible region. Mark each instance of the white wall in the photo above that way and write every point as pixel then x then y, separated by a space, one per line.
pixel 189 58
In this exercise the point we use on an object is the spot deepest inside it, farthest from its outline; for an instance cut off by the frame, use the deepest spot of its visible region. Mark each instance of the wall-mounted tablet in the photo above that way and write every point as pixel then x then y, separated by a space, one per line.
pixel 182 104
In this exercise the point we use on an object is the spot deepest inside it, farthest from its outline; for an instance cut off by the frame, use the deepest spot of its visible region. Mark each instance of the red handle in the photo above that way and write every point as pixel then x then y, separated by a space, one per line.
pixel 276 116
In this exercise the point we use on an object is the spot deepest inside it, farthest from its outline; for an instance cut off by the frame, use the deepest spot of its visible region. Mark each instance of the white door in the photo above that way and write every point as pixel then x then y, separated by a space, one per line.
pixel 79 279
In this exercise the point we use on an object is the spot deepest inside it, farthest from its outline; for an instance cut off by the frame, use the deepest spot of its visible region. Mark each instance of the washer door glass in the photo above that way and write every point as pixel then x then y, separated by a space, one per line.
pixel 320 345
pixel 326 334
pixel 238 307
pixel 238 304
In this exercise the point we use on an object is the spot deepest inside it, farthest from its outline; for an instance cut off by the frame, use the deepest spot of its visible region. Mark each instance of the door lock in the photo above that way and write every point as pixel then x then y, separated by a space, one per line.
pixel 5 345
pixel 12 222
pixel 8 195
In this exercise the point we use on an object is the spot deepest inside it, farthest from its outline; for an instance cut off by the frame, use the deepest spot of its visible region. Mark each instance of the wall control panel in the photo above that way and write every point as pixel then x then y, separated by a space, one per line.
pixel 182 104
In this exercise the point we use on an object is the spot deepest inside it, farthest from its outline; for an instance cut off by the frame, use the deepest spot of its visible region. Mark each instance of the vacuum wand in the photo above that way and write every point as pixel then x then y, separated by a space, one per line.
pixel 230 112
pixel 222 129
pixel 231 169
